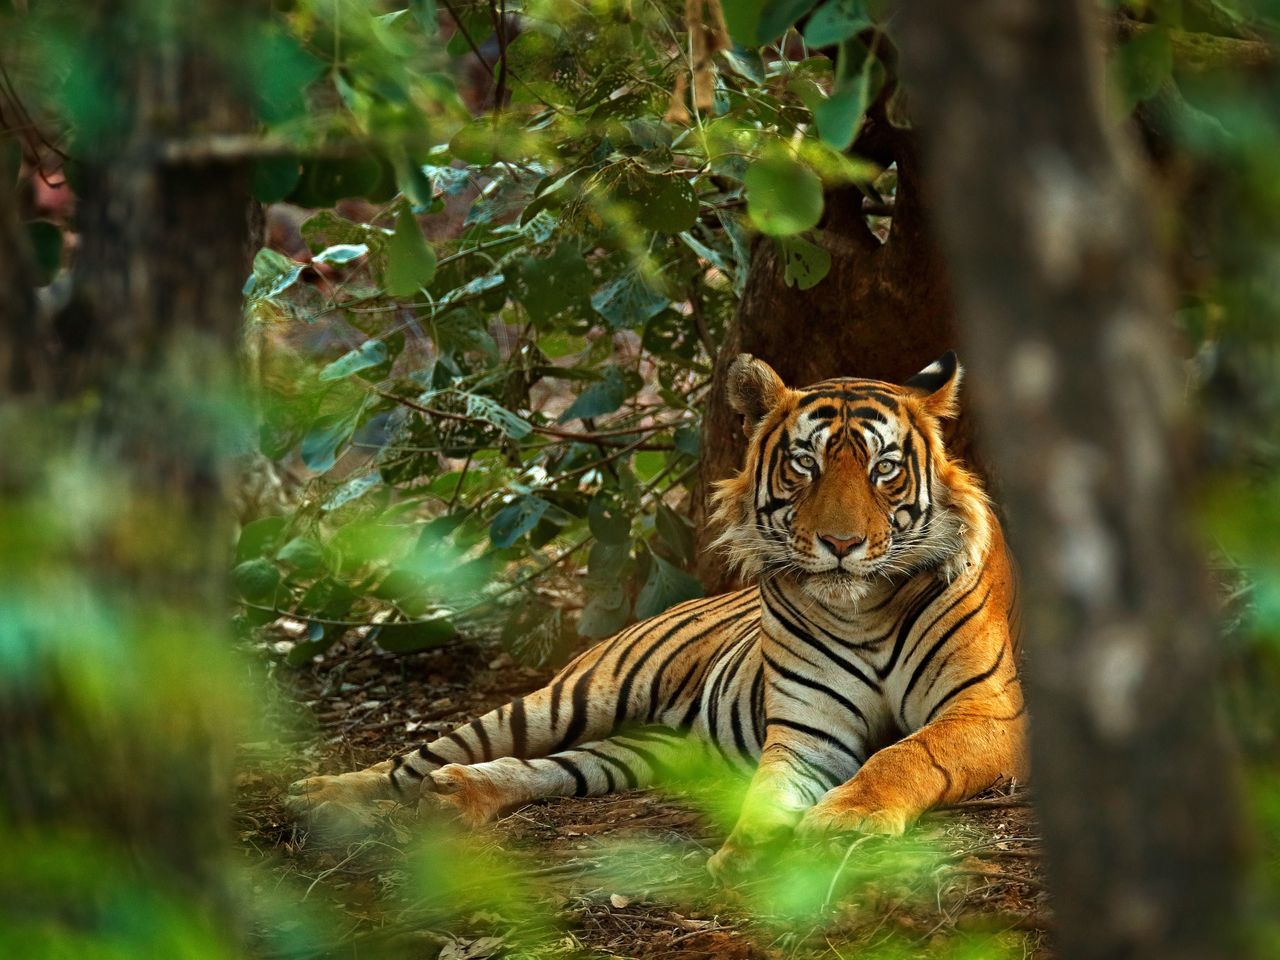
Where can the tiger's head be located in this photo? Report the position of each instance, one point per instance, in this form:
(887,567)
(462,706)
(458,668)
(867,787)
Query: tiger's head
(847,482)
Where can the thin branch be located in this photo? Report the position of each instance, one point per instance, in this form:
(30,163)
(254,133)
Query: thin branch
(578,436)
(466,35)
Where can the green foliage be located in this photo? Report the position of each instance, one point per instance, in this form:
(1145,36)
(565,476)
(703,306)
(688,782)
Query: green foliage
(521,394)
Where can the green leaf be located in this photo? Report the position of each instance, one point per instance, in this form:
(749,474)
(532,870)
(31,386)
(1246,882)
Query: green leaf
(607,562)
(257,537)
(805,264)
(474,23)
(516,519)
(323,181)
(483,408)
(256,580)
(676,532)
(603,397)
(784,196)
(319,450)
(836,20)
(665,586)
(777,15)
(688,440)
(663,203)
(548,286)
(274,178)
(839,115)
(353,489)
(424,11)
(46,243)
(606,612)
(411,263)
(414,635)
(303,554)
(608,519)
(273,273)
(673,206)
(742,17)
(1143,65)
(628,301)
(341,253)
(319,639)
(368,354)
(326,229)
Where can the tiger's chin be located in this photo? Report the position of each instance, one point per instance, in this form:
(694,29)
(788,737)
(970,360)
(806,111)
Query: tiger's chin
(837,588)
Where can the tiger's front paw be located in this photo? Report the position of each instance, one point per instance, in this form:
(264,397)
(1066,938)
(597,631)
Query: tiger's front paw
(832,816)
(466,791)
(344,796)
(734,861)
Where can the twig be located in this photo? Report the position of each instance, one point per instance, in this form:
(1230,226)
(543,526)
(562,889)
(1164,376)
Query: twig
(466,35)
(578,436)
(990,803)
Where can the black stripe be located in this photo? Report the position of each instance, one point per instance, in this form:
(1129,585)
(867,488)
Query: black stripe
(578,713)
(929,655)
(483,736)
(978,678)
(655,765)
(757,705)
(735,724)
(923,603)
(396,764)
(628,774)
(580,788)
(800,633)
(453,736)
(813,684)
(426,753)
(519,729)
(556,689)
(817,734)
(624,691)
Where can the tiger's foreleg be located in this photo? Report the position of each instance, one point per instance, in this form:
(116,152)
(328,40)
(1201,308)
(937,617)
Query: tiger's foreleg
(795,770)
(480,792)
(650,673)
(957,755)
(527,726)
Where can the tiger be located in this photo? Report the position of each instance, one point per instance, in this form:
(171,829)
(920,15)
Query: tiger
(868,674)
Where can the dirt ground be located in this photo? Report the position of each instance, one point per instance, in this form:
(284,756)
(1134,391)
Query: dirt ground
(616,876)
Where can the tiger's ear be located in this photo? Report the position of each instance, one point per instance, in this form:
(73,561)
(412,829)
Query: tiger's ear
(753,389)
(937,385)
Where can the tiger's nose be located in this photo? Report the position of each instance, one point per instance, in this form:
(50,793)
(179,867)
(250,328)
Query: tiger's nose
(841,546)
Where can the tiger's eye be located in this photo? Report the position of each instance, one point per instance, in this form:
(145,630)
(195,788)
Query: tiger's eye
(886,467)
(805,461)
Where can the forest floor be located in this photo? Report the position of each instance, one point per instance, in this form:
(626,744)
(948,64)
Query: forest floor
(615,876)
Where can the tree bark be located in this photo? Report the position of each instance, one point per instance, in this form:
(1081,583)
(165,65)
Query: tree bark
(884,311)
(19,327)
(1065,311)
(136,386)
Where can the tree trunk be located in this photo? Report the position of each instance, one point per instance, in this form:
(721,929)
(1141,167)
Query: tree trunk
(884,311)
(18,305)
(1066,319)
(134,394)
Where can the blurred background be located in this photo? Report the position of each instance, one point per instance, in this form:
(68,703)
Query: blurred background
(362,362)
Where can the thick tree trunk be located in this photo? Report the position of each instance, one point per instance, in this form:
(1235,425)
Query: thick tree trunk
(19,320)
(1066,319)
(883,311)
(135,386)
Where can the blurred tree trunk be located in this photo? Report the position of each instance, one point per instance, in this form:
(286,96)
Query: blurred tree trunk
(138,377)
(1065,309)
(18,305)
(884,310)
